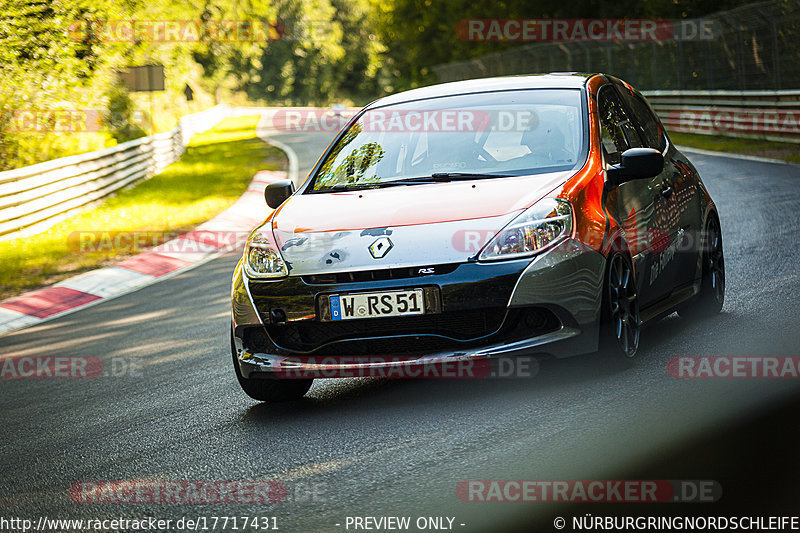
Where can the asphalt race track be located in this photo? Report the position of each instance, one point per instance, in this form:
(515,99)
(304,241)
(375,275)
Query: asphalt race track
(172,410)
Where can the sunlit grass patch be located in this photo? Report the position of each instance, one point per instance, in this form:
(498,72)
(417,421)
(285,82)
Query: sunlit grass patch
(212,173)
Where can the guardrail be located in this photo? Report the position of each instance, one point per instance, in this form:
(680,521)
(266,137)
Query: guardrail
(770,115)
(34,198)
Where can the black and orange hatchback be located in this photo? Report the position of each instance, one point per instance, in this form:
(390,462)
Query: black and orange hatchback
(498,217)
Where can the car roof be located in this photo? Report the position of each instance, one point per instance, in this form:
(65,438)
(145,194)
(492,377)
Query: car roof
(554,80)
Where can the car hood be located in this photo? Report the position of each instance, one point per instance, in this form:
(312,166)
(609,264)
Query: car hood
(417,225)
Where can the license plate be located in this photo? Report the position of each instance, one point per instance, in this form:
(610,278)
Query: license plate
(377,304)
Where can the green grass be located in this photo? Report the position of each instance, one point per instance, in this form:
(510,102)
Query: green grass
(212,173)
(774,150)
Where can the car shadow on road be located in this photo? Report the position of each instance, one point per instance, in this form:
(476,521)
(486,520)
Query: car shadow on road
(364,396)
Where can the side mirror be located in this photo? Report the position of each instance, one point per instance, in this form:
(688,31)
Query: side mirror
(635,164)
(277,192)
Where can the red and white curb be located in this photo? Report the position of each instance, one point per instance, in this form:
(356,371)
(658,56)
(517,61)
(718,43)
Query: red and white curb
(225,232)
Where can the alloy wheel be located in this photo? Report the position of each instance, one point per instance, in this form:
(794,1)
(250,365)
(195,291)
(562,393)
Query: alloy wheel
(715,261)
(624,305)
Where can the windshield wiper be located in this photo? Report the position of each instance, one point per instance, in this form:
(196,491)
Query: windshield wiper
(443,177)
(454,176)
(436,177)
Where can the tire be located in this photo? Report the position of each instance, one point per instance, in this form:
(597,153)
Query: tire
(269,388)
(711,297)
(619,320)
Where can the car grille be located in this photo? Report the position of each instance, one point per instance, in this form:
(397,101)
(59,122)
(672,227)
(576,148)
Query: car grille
(378,275)
(404,332)
(404,336)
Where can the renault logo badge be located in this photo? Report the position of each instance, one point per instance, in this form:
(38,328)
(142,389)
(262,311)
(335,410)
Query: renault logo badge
(380,247)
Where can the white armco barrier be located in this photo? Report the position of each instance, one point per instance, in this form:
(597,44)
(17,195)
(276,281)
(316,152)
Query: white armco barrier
(770,115)
(35,197)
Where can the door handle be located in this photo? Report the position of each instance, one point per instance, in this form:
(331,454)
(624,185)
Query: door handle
(666,191)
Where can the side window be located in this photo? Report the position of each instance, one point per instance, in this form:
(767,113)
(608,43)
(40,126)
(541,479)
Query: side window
(647,123)
(617,132)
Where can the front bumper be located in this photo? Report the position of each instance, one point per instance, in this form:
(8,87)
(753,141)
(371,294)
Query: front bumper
(545,306)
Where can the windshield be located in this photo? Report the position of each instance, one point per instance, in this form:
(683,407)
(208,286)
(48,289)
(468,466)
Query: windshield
(496,134)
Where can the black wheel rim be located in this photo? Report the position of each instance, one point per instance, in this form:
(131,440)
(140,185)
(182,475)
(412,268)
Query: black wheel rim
(624,305)
(715,262)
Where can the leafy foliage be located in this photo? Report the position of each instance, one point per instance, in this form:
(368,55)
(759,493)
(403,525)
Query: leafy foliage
(332,50)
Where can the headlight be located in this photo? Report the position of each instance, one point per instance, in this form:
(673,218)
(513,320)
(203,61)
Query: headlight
(262,259)
(533,230)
